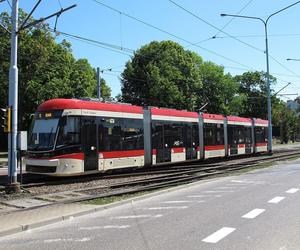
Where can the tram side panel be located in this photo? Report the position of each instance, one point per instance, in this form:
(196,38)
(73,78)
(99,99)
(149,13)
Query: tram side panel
(213,134)
(261,135)
(239,135)
(121,142)
(175,136)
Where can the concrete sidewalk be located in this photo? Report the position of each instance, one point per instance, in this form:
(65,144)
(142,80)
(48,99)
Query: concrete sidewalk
(18,221)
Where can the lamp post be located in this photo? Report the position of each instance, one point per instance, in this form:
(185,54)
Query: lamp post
(265,22)
(291,59)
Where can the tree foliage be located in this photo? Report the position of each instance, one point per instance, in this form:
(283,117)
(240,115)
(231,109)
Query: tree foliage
(162,74)
(47,69)
(165,74)
(253,85)
(219,91)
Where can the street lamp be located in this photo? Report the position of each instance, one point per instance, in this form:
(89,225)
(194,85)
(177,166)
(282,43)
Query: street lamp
(291,59)
(265,22)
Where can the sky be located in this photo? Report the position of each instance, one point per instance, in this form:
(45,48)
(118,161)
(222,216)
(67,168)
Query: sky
(127,25)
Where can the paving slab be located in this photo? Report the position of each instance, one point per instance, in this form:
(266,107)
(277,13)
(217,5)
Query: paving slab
(26,203)
(28,219)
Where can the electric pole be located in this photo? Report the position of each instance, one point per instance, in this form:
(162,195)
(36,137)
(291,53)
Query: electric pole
(98,84)
(13,186)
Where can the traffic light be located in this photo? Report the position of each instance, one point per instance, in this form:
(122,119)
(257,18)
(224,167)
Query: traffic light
(6,119)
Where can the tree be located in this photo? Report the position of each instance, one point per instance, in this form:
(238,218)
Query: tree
(47,69)
(219,91)
(253,85)
(162,74)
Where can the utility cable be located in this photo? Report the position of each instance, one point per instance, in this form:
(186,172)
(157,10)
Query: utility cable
(171,34)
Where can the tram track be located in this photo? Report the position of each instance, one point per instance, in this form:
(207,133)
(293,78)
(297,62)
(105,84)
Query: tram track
(35,181)
(170,179)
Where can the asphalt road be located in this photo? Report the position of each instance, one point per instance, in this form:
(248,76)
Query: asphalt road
(257,210)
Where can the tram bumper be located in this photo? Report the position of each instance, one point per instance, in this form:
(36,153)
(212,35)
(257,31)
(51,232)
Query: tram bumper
(53,167)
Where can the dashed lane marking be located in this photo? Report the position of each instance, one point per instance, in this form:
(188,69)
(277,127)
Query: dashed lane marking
(67,240)
(292,190)
(176,202)
(219,235)
(140,216)
(276,199)
(197,196)
(165,208)
(219,191)
(254,213)
(105,227)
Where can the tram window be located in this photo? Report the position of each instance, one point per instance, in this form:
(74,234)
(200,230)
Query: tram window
(231,137)
(69,131)
(209,134)
(188,135)
(213,134)
(220,134)
(176,135)
(195,135)
(157,135)
(132,136)
(120,134)
(260,134)
(167,134)
(240,134)
(110,132)
(248,137)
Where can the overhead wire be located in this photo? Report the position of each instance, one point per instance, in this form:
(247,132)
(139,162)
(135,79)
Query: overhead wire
(215,27)
(170,34)
(115,48)
(229,35)
(229,22)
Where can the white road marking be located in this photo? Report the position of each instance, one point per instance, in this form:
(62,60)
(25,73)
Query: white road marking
(68,239)
(219,191)
(218,235)
(141,216)
(52,240)
(180,202)
(171,202)
(197,196)
(244,182)
(105,227)
(292,190)
(252,214)
(276,199)
(165,208)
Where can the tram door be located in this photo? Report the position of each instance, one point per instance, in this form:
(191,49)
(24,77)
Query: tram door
(248,140)
(233,139)
(191,133)
(163,150)
(89,143)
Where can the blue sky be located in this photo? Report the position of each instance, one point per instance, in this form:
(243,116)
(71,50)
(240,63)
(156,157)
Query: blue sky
(92,20)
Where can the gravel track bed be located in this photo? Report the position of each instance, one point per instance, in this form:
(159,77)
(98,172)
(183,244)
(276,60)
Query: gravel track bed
(100,184)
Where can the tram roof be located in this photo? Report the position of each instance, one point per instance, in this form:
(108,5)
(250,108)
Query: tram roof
(212,116)
(173,112)
(238,119)
(60,104)
(261,121)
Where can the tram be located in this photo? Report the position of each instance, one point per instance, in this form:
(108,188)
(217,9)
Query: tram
(75,137)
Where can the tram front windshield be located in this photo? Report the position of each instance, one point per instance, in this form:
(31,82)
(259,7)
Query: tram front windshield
(42,136)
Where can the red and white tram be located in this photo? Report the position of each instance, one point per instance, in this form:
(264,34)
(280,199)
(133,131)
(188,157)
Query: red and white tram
(73,137)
